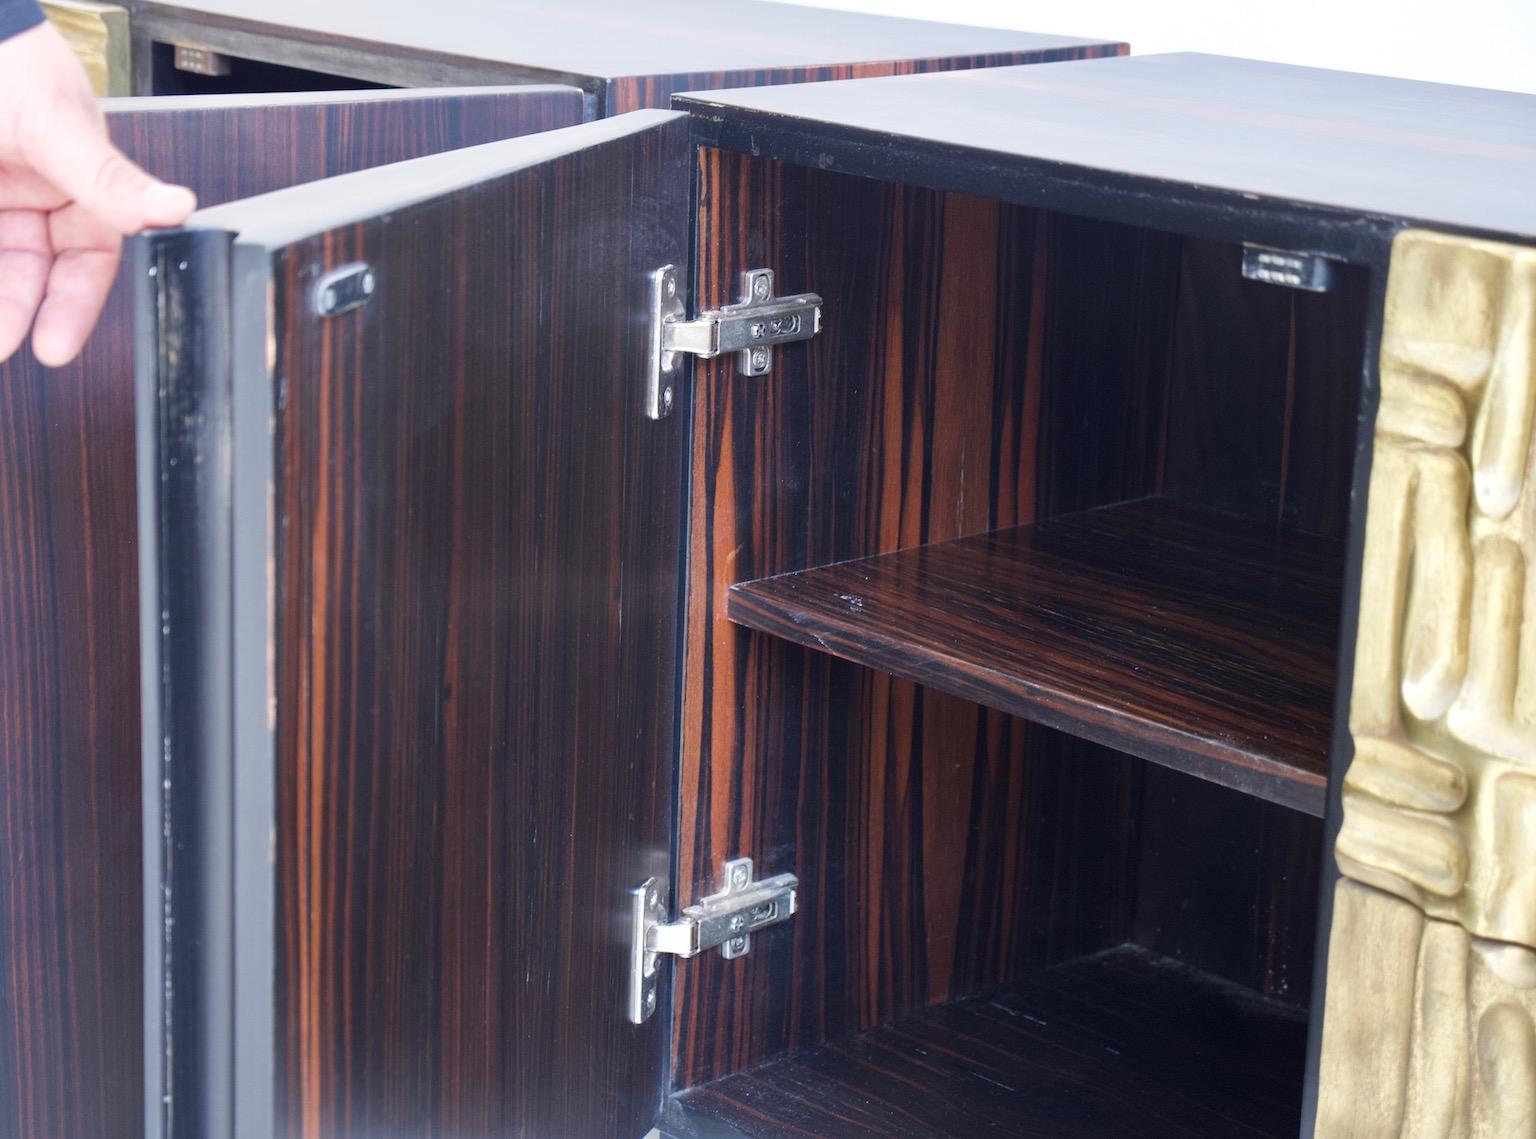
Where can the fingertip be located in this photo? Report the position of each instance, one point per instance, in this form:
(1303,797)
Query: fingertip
(167,205)
(77,289)
(55,345)
(155,205)
(60,332)
(123,196)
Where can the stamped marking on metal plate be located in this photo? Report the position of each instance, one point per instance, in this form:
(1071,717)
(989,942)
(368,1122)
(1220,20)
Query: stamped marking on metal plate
(1305,271)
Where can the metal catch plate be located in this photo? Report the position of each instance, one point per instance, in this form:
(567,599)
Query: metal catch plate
(344,289)
(1305,271)
(200,61)
(725,920)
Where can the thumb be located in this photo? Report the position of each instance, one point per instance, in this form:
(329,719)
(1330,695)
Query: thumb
(91,171)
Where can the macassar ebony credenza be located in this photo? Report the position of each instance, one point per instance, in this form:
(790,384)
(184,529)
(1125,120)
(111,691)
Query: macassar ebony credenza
(73,916)
(939,605)
(943,605)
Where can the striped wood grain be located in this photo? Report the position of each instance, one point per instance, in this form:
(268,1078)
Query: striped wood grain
(476,621)
(964,383)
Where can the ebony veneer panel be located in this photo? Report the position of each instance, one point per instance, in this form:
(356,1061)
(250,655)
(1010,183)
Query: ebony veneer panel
(1191,639)
(71,1030)
(966,381)
(1123,1043)
(476,624)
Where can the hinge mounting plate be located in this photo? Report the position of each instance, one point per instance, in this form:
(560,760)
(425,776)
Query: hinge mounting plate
(724,920)
(751,328)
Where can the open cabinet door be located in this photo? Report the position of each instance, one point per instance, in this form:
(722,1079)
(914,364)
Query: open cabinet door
(71,912)
(412,551)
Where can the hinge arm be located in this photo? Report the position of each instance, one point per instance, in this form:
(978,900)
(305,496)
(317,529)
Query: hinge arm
(725,920)
(752,327)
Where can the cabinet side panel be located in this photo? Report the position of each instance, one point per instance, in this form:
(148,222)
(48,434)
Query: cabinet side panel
(70,922)
(470,597)
(941,849)
(632,93)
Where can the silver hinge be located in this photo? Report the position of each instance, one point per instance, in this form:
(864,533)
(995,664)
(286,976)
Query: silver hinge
(750,328)
(725,921)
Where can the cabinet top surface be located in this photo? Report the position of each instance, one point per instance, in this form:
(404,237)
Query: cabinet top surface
(1395,149)
(615,38)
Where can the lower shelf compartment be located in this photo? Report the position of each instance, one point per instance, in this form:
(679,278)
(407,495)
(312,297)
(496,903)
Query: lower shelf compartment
(1124,1043)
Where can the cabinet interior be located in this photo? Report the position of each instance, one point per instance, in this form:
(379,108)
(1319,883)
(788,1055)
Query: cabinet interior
(1011,621)
(245,77)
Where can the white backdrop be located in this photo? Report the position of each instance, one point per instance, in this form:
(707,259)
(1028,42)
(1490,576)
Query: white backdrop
(1484,43)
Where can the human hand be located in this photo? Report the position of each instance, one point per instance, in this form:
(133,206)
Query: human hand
(67,199)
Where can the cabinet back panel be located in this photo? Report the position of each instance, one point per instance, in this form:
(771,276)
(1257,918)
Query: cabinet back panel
(71,969)
(1228,883)
(967,380)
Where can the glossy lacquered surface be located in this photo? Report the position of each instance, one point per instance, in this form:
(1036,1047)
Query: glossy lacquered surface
(1188,638)
(1299,157)
(1125,1043)
(71,1030)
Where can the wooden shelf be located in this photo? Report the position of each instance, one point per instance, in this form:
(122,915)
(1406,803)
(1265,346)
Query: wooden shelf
(1187,638)
(1119,1044)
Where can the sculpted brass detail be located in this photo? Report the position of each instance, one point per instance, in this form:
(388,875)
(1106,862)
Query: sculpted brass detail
(1429,1031)
(1432,968)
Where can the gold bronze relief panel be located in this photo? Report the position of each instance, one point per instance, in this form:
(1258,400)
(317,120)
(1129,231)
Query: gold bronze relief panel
(1429,1028)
